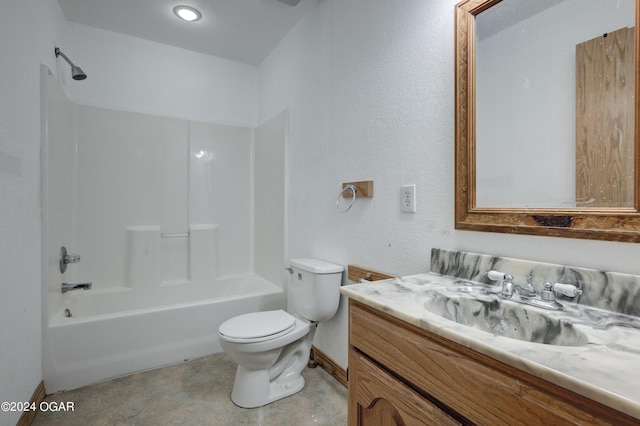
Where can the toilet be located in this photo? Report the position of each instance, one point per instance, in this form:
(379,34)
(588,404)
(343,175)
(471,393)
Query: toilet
(272,348)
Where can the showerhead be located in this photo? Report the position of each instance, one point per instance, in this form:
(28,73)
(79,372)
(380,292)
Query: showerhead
(290,2)
(76,72)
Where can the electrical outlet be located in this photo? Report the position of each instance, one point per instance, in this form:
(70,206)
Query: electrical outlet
(408,198)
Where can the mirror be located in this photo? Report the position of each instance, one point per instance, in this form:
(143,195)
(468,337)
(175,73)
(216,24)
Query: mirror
(546,96)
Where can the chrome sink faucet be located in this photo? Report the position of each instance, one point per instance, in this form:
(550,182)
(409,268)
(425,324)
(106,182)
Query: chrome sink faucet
(509,288)
(527,293)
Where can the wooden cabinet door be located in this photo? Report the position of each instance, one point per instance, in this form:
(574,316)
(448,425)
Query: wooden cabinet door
(376,398)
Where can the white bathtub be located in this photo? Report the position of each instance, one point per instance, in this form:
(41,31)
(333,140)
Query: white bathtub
(118,332)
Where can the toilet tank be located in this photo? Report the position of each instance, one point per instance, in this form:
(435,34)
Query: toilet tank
(314,288)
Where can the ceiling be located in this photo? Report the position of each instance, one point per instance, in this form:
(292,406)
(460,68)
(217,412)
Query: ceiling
(240,30)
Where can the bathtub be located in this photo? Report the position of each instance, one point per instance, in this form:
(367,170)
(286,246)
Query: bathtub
(120,331)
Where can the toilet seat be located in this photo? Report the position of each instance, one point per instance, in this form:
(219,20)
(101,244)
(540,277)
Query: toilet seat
(257,326)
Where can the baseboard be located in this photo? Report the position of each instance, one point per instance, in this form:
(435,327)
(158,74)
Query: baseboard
(329,365)
(38,396)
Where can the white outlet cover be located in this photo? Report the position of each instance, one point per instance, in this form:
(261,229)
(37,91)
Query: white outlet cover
(408,198)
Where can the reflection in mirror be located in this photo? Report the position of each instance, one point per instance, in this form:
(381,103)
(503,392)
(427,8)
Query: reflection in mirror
(554,104)
(546,96)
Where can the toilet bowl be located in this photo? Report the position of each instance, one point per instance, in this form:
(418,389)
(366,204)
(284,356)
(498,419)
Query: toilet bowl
(269,366)
(272,348)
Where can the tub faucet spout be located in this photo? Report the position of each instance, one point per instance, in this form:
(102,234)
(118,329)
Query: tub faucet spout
(81,286)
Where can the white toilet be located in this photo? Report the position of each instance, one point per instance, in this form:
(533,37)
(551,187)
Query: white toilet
(272,348)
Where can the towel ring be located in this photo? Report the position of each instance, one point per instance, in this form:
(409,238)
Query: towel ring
(351,188)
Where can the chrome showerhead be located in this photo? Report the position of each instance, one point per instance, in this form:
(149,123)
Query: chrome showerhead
(76,72)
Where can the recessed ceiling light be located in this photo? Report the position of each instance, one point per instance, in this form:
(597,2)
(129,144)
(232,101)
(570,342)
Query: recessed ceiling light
(187,13)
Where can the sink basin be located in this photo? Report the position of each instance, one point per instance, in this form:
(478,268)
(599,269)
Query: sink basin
(504,318)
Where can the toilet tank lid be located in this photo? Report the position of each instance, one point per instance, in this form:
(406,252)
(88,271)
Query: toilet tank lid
(315,266)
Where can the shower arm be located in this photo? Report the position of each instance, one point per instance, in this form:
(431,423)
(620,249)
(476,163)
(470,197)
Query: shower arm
(76,71)
(59,53)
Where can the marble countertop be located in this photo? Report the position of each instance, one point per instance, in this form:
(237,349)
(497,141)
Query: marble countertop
(606,369)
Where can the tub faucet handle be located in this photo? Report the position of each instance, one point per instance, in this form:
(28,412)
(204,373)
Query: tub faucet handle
(72,258)
(66,258)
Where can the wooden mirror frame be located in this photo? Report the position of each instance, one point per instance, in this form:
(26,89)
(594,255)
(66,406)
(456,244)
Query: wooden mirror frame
(615,224)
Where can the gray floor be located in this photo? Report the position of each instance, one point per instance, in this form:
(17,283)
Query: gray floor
(196,393)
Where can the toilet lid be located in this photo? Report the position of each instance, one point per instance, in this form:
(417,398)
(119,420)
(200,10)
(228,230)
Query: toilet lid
(258,324)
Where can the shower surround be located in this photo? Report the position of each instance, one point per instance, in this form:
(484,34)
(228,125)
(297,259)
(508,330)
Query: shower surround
(161,212)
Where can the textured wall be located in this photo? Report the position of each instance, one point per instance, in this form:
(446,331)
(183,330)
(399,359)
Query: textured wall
(369,86)
(28,43)
(370,89)
(131,74)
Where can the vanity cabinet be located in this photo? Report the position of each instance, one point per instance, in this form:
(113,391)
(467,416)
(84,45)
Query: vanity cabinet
(402,374)
(381,399)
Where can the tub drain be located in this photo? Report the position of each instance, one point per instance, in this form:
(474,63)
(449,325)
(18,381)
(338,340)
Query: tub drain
(67,313)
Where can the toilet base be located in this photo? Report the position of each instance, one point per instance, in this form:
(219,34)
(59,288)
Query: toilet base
(253,389)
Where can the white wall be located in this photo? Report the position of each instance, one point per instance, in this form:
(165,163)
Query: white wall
(30,30)
(139,185)
(117,186)
(370,89)
(58,192)
(132,74)
(220,190)
(269,198)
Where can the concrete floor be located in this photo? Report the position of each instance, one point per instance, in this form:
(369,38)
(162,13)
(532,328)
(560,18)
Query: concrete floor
(196,393)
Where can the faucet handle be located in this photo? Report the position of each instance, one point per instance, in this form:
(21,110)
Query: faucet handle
(66,258)
(495,275)
(547,292)
(568,290)
(501,277)
(72,258)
